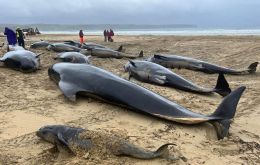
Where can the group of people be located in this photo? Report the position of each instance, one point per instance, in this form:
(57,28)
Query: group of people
(18,37)
(108,34)
(14,37)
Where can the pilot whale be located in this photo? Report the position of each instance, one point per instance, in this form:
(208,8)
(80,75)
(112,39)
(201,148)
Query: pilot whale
(174,61)
(95,82)
(153,73)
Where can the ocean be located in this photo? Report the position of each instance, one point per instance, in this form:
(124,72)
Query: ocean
(180,30)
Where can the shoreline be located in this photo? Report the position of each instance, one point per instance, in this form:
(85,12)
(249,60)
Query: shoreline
(140,35)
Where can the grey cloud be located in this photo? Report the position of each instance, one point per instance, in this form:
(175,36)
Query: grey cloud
(199,12)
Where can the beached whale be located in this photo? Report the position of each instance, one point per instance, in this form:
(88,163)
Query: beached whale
(89,45)
(72,57)
(39,44)
(153,73)
(89,80)
(61,47)
(108,53)
(73,43)
(174,61)
(15,47)
(78,140)
(22,60)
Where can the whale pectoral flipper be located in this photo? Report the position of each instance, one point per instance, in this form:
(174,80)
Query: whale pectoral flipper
(68,90)
(132,63)
(158,79)
(62,140)
(62,145)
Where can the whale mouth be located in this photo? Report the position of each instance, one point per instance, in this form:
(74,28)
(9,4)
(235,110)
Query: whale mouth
(55,76)
(127,67)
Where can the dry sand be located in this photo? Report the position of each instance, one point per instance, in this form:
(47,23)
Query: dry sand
(29,101)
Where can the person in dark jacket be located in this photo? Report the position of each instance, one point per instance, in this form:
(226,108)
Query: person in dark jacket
(81,36)
(11,37)
(105,35)
(20,37)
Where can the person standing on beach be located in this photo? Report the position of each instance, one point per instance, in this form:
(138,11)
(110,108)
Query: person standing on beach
(105,35)
(11,37)
(20,37)
(110,35)
(81,36)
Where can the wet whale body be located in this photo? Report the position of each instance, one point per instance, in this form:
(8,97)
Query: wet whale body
(40,44)
(89,45)
(153,73)
(108,53)
(68,138)
(95,51)
(22,60)
(89,80)
(72,57)
(61,47)
(174,61)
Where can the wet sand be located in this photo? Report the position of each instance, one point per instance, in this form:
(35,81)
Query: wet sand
(30,101)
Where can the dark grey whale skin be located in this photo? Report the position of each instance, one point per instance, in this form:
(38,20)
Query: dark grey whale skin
(108,53)
(72,57)
(65,136)
(175,61)
(61,47)
(98,83)
(21,60)
(86,45)
(39,44)
(156,74)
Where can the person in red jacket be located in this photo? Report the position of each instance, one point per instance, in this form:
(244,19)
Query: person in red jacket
(81,36)
(110,36)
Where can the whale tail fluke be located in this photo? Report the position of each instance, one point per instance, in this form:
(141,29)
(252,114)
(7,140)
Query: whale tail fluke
(136,152)
(252,67)
(222,86)
(163,150)
(226,111)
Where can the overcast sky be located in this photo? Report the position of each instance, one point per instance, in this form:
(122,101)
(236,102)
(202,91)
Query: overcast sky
(197,12)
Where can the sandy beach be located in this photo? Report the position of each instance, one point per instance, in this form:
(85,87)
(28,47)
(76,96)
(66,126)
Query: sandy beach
(30,101)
